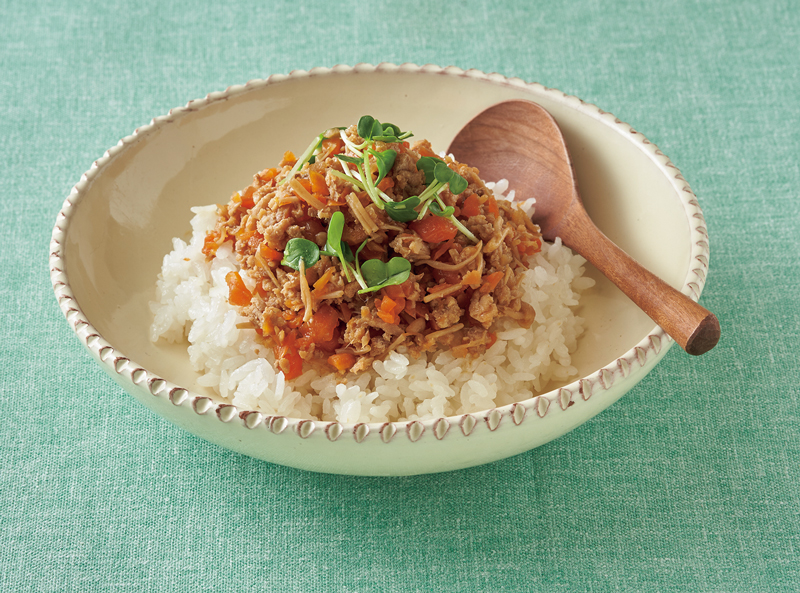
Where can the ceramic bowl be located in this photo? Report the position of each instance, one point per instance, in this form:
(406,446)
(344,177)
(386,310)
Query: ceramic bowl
(117,224)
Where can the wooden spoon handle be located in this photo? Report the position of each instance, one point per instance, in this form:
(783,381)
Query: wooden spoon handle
(692,326)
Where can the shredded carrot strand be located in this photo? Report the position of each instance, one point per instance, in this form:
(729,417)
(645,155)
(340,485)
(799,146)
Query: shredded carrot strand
(442,249)
(304,193)
(323,280)
(490,282)
(318,185)
(439,287)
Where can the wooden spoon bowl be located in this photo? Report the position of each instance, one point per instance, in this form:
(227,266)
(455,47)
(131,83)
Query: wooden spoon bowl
(520,141)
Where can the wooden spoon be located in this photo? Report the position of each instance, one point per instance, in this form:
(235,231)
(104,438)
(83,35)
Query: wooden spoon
(520,141)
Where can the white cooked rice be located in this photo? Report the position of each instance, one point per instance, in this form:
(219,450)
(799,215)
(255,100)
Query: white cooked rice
(192,303)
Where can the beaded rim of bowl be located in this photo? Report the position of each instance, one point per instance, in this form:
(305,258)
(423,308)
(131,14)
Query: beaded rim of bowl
(592,385)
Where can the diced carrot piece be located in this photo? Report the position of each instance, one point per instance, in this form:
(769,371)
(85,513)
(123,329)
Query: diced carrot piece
(342,362)
(386,304)
(425,151)
(293,320)
(384,316)
(322,325)
(397,291)
(331,146)
(289,361)
(269,253)
(490,282)
(288,158)
(255,241)
(434,229)
(386,183)
(388,309)
(491,206)
(266,326)
(472,206)
(210,244)
(318,185)
(471,278)
(247,197)
(531,247)
(328,346)
(268,174)
(237,292)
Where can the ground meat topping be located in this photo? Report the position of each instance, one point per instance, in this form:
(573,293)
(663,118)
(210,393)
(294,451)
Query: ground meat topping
(365,244)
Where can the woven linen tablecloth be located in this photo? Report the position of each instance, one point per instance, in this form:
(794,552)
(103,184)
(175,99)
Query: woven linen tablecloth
(689,483)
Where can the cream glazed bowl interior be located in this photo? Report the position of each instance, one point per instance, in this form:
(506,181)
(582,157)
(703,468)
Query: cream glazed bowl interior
(118,222)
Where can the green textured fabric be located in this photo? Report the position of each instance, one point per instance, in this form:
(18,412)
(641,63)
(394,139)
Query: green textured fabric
(689,483)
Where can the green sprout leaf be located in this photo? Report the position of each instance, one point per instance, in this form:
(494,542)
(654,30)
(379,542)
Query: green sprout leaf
(357,266)
(438,211)
(368,127)
(335,244)
(348,159)
(374,273)
(390,133)
(403,211)
(298,249)
(445,174)
(335,230)
(437,176)
(437,173)
(364,126)
(457,183)
(385,162)
(378,274)
(427,164)
(347,253)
